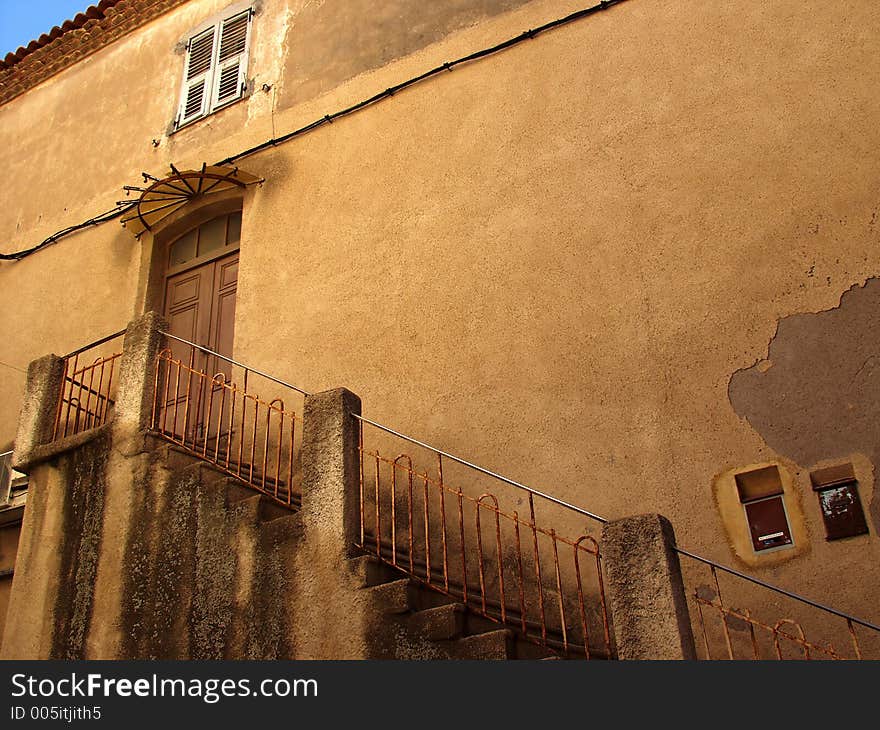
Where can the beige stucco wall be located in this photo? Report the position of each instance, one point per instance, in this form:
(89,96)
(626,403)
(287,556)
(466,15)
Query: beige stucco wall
(551,261)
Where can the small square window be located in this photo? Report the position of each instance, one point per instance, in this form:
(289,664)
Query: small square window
(839,500)
(761,494)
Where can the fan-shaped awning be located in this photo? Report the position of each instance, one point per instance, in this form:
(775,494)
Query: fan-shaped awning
(164,197)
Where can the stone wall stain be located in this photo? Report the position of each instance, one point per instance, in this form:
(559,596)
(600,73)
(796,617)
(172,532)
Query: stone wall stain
(82,512)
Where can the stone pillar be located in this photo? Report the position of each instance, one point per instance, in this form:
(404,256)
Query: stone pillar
(330,459)
(647,597)
(37,419)
(137,376)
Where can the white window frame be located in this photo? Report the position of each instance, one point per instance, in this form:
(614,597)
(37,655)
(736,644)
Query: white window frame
(211,77)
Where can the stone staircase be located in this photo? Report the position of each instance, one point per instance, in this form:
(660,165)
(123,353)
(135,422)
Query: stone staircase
(243,545)
(134,548)
(419,615)
(241,474)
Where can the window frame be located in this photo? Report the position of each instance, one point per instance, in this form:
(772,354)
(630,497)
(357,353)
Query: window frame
(763,485)
(840,476)
(211,77)
(198,260)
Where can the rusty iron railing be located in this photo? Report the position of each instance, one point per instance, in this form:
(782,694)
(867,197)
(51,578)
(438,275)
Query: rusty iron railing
(475,545)
(88,387)
(206,404)
(470,542)
(722,631)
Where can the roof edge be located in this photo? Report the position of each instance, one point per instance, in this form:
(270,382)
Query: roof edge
(93,29)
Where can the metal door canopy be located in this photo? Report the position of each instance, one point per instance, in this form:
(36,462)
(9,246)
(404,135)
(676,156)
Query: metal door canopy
(166,196)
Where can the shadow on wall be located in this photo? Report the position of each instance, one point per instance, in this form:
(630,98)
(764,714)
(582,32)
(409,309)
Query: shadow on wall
(817,395)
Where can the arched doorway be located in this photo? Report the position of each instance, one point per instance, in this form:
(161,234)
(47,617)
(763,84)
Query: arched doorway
(200,282)
(201,277)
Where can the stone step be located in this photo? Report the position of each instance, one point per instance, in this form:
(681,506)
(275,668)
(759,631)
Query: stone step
(258,509)
(372,572)
(233,490)
(284,528)
(497,645)
(175,457)
(454,621)
(246,510)
(395,597)
(182,464)
(432,595)
(438,616)
(441,622)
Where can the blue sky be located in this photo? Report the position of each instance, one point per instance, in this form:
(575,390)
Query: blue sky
(22,21)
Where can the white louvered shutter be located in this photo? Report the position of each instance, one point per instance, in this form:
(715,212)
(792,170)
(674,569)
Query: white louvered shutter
(231,67)
(197,82)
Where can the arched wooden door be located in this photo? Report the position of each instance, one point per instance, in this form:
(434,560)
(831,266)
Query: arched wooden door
(201,280)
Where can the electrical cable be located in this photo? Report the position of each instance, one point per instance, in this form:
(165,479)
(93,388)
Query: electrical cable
(12,367)
(329,118)
(448,66)
(96,220)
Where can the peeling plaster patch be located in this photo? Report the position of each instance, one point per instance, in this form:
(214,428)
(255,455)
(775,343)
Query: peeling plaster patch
(821,398)
(269,51)
(328,45)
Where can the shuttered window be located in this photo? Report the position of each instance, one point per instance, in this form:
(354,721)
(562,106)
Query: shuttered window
(215,68)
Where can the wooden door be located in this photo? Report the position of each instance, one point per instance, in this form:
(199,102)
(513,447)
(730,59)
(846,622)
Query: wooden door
(200,308)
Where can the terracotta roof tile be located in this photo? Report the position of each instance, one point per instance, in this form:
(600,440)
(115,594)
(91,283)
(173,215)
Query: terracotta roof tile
(88,32)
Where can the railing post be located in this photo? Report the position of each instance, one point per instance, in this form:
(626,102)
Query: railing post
(45,377)
(330,460)
(137,374)
(643,577)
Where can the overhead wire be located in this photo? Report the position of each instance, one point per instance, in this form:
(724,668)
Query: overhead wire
(329,118)
(447,66)
(94,221)
(13,367)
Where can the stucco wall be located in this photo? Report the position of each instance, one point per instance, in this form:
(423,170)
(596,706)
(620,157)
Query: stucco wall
(552,261)
(557,274)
